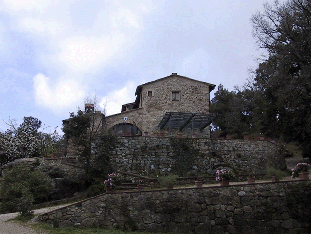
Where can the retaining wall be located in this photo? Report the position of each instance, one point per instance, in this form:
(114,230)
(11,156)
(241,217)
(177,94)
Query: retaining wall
(157,155)
(283,207)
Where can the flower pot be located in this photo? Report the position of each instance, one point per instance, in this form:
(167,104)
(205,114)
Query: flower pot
(198,184)
(141,187)
(251,180)
(109,188)
(224,182)
(304,175)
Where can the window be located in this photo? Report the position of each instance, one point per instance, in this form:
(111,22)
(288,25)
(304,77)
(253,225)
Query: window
(149,93)
(175,96)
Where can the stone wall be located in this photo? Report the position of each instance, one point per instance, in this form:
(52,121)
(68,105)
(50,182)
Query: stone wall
(194,98)
(283,207)
(157,155)
(135,117)
(69,169)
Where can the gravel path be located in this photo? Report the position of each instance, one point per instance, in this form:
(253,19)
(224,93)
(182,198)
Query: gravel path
(11,227)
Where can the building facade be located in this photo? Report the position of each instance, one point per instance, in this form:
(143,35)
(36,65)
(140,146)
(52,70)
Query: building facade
(170,105)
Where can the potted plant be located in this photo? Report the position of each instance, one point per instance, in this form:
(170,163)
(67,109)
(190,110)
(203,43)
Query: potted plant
(224,176)
(275,174)
(113,180)
(301,170)
(168,181)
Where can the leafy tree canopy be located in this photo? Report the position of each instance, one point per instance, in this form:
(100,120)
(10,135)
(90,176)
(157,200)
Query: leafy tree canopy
(277,103)
(284,78)
(25,141)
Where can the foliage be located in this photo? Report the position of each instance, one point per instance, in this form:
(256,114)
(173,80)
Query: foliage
(101,150)
(299,168)
(185,155)
(278,174)
(236,111)
(224,174)
(283,30)
(167,180)
(80,230)
(97,187)
(26,141)
(113,179)
(276,101)
(21,187)
(51,143)
(24,218)
(84,131)
(22,141)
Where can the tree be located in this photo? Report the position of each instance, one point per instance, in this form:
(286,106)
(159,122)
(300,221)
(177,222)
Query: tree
(21,187)
(85,131)
(51,143)
(27,141)
(284,78)
(22,141)
(235,111)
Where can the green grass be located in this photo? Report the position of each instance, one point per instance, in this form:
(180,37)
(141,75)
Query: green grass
(76,230)
(22,218)
(294,149)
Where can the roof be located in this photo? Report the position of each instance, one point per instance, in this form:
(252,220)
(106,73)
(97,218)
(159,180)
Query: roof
(139,88)
(181,120)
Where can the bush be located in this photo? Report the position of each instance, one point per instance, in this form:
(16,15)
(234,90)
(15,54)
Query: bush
(167,180)
(95,189)
(274,172)
(21,187)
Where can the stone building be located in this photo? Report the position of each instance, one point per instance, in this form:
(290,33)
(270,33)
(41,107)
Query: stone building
(170,105)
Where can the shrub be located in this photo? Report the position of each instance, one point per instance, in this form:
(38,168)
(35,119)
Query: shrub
(21,187)
(278,174)
(167,180)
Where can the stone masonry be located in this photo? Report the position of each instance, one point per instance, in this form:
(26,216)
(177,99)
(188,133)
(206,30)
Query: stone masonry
(283,207)
(156,155)
(154,99)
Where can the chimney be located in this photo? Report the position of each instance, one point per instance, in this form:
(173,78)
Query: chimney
(89,108)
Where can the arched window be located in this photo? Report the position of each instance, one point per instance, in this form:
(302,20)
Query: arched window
(126,129)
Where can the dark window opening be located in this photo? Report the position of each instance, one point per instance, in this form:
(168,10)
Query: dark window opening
(149,93)
(125,129)
(175,96)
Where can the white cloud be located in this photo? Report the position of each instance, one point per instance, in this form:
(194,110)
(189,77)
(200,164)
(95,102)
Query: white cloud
(113,102)
(84,54)
(17,7)
(39,26)
(125,17)
(58,97)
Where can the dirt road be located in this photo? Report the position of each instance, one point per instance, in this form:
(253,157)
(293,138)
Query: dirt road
(11,227)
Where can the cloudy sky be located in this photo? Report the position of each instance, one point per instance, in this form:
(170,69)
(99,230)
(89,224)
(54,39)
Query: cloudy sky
(55,53)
